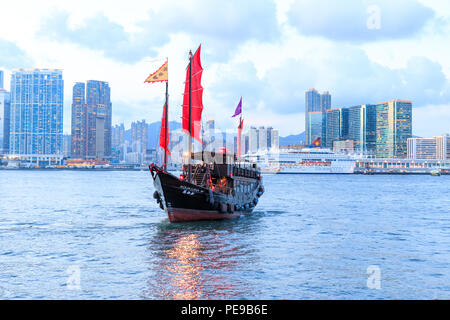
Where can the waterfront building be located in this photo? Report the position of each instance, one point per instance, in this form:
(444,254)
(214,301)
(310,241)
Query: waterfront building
(274,139)
(312,105)
(5,106)
(325,105)
(261,139)
(139,137)
(393,128)
(362,127)
(314,126)
(400,166)
(36,117)
(91,120)
(79,128)
(337,125)
(245,144)
(316,105)
(66,145)
(443,147)
(253,140)
(118,135)
(428,148)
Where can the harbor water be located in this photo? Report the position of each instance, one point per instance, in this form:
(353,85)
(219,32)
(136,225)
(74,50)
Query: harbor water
(100,235)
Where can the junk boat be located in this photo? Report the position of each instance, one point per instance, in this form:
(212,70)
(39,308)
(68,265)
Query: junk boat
(212,185)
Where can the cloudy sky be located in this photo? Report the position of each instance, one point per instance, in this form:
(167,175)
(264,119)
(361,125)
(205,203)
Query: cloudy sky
(269,52)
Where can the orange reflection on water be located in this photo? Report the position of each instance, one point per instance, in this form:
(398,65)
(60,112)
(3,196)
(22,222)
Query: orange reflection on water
(186,268)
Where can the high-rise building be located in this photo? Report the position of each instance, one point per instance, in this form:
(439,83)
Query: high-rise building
(274,139)
(362,123)
(312,101)
(98,100)
(260,139)
(263,139)
(436,148)
(5,107)
(313,126)
(78,137)
(316,105)
(91,120)
(245,144)
(337,125)
(118,135)
(325,105)
(139,135)
(325,101)
(1,79)
(253,140)
(312,104)
(394,127)
(36,119)
(443,147)
(66,145)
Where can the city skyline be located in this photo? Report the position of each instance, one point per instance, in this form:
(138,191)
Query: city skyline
(401,55)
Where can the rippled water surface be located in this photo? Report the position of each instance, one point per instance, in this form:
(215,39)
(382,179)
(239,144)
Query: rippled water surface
(311,236)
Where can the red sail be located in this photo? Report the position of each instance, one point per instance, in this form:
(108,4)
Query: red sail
(163,139)
(196,97)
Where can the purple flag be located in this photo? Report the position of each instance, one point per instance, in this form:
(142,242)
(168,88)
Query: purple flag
(238,110)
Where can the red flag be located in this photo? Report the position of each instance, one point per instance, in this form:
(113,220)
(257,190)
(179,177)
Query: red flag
(163,139)
(196,97)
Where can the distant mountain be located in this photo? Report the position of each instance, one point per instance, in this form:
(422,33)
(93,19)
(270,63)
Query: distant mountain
(293,139)
(153,132)
(154,129)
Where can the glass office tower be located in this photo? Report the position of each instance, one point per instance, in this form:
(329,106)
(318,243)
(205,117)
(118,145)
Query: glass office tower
(316,103)
(394,127)
(312,107)
(314,126)
(5,106)
(362,127)
(337,125)
(36,119)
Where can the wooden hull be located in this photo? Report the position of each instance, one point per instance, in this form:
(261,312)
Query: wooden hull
(184,201)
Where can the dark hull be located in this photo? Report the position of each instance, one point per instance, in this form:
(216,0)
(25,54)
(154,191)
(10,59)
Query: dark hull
(184,201)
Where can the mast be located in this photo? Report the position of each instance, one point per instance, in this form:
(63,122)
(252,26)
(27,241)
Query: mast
(162,75)
(239,138)
(166,107)
(190,115)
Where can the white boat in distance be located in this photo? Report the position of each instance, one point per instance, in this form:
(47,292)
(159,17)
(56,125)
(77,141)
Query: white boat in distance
(307,160)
